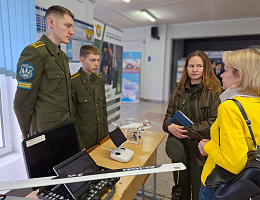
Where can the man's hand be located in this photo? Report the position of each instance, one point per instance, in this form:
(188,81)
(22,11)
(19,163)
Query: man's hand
(177,131)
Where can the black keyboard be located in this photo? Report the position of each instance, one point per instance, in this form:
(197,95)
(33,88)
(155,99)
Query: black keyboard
(58,192)
(95,190)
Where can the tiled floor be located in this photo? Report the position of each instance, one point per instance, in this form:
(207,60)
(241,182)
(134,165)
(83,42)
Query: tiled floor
(154,112)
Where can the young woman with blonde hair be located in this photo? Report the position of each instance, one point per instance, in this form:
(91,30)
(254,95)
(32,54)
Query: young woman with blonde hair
(230,136)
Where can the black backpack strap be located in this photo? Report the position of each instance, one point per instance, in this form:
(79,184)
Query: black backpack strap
(248,122)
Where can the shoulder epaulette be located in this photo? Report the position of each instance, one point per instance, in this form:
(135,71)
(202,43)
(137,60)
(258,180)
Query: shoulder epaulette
(74,75)
(98,76)
(37,44)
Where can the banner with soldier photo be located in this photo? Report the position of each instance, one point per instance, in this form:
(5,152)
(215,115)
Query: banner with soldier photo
(109,42)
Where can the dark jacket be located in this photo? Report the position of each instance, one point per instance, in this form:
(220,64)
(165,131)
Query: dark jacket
(90,108)
(42,99)
(218,75)
(203,112)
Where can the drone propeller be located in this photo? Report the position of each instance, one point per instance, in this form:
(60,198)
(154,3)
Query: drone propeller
(130,119)
(147,122)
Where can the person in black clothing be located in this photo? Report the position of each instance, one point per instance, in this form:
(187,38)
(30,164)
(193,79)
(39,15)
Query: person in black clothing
(218,70)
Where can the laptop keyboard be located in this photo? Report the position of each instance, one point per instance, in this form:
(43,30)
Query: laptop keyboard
(60,192)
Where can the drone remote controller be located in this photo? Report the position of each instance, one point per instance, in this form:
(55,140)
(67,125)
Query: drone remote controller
(122,154)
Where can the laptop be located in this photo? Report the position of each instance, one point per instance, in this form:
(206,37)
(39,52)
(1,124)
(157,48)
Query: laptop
(46,149)
(83,163)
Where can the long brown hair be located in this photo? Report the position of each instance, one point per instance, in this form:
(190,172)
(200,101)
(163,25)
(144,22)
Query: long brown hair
(209,79)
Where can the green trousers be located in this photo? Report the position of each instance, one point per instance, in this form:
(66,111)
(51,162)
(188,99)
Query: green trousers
(189,179)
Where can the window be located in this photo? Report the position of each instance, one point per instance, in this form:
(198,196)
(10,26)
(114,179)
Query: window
(17,30)
(5,139)
(2,140)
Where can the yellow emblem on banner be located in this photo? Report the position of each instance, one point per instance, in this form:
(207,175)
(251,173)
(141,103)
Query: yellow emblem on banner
(89,34)
(98,29)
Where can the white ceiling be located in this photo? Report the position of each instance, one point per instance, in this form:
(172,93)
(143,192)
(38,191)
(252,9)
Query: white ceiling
(119,14)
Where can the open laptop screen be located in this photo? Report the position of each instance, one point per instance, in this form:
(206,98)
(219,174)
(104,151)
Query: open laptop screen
(79,163)
(49,148)
(117,137)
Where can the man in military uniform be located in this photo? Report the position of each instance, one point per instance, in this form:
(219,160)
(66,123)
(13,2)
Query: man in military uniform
(43,96)
(88,94)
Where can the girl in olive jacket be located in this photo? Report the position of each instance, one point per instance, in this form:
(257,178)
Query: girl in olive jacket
(197,96)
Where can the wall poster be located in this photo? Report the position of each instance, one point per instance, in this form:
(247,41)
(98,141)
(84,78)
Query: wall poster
(216,56)
(109,42)
(131,77)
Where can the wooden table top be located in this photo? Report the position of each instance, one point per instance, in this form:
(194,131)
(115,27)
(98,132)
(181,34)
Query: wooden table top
(144,155)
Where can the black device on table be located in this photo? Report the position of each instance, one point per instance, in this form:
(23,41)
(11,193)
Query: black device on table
(83,163)
(45,150)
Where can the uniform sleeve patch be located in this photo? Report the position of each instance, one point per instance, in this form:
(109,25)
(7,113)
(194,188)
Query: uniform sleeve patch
(24,85)
(26,71)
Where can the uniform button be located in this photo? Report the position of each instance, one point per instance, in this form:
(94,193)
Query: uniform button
(70,101)
(98,118)
(97,111)
(98,125)
(96,104)
(84,81)
(69,92)
(58,76)
(86,100)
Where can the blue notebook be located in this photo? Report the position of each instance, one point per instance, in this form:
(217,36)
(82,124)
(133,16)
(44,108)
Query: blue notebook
(180,119)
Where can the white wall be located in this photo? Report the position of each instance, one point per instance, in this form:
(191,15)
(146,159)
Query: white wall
(152,72)
(162,49)
(82,9)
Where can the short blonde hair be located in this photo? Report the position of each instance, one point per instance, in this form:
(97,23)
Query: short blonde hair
(248,62)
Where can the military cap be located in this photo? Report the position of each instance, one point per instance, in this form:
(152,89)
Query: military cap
(175,150)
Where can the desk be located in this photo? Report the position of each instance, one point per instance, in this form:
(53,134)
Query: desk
(145,155)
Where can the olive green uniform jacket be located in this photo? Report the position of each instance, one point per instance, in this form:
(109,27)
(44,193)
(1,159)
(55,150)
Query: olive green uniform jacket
(43,96)
(90,108)
(203,113)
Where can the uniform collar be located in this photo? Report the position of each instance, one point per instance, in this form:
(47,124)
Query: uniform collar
(198,88)
(51,46)
(85,74)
